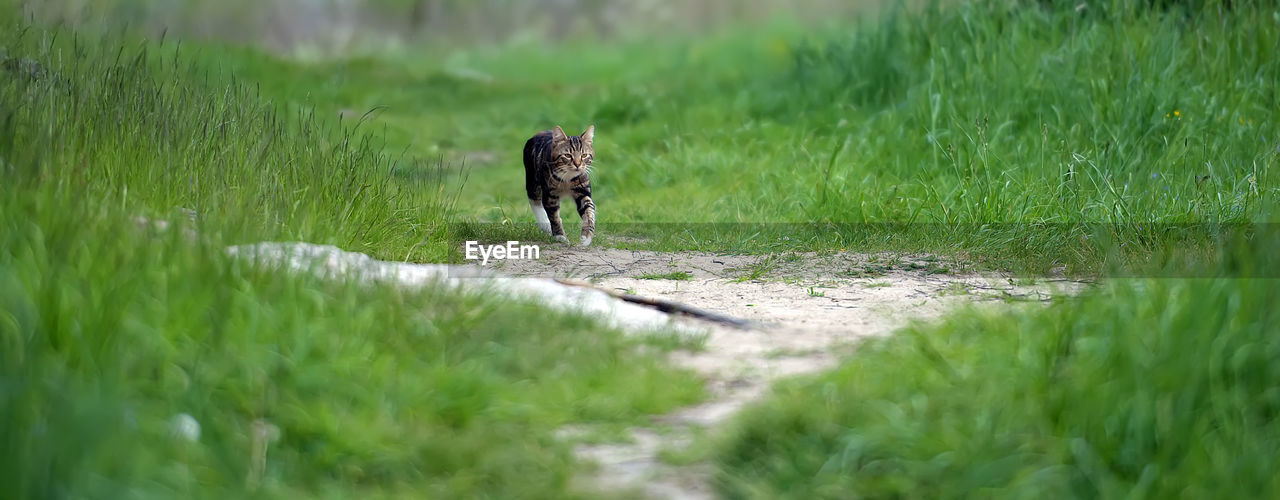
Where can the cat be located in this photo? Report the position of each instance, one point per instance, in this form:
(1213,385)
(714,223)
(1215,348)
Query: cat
(558,165)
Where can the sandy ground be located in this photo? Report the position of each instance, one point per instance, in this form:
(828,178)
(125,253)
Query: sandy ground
(810,308)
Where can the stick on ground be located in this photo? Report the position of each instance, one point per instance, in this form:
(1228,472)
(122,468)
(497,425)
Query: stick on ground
(666,306)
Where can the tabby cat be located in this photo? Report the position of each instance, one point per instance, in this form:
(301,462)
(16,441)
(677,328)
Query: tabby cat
(558,165)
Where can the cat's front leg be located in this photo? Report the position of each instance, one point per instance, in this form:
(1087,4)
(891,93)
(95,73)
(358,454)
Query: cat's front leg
(586,210)
(552,205)
(540,215)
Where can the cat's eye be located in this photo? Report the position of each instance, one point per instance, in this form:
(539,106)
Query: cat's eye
(564,157)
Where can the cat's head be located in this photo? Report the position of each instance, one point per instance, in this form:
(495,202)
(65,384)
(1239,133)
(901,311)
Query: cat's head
(571,154)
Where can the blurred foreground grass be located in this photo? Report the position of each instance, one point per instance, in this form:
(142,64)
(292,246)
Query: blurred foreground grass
(1144,388)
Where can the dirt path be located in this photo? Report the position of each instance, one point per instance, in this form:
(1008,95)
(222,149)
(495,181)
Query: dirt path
(811,308)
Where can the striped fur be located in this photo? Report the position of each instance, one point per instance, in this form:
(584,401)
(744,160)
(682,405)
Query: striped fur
(558,165)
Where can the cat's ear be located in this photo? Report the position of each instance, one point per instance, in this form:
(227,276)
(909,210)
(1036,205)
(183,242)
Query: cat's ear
(591,132)
(558,135)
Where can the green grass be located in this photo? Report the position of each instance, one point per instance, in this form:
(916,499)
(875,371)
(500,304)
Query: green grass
(1022,137)
(1145,388)
(111,327)
(756,271)
(674,276)
(1116,139)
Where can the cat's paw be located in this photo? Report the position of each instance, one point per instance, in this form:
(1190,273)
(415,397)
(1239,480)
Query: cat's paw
(545,227)
(562,238)
(586,241)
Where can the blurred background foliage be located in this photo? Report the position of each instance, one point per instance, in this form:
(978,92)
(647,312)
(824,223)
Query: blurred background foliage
(336,27)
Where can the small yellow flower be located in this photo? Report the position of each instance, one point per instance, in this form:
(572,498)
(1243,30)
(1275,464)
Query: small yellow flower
(1177,113)
(1240,119)
(1166,115)
(779,47)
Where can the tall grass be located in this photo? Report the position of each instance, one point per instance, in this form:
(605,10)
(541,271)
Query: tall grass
(123,320)
(1146,388)
(1139,121)
(988,129)
(1010,112)
(1056,123)
(136,124)
(1029,128)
